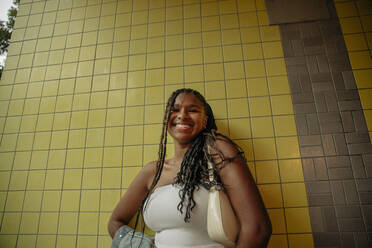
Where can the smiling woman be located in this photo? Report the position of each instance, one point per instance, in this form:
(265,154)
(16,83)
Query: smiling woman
(172,195)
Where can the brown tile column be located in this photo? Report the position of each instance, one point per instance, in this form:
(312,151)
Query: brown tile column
(335,147)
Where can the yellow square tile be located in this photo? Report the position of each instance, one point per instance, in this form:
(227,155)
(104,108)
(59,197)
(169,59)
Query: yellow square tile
(134,115)
(12,124)
(87,53)
(31,32)
(74,158)
(248,19)
(82,241)
(194,73)
(151,133)
(70,200)
(193,56)
(254,68)
(18,180)
(279,85)
(89,200)
(262,127)
(275,67)
(214,72)
(105,36)
(231,37)
(174,27)
(93,158)
(66,86)
(115,117)
(271,195)
(48,223)
(267,172)
(85,68)
(23,75)
(128,175)
(59,140)
(107,22)
(362,78)
(102,66)
(112,156)
(95,137)
(47,105)
(6,160)
(360,60)
(21,160)
(351,25)
(277,220)
(193,24)
(68,224)
(50,88)
(8,142)
(77,138)
(56,159)
(154,95)
(263,18)
(98,100)
(355,42)
(24,142)
(294,195)
(111,178)
(114,136)
(51,201)
(365,98)
(132,156)
(215,90)
(232,53)
(138,32)
(257,87)
(291,170)
(250,35)
(270,33)
(97,118)
(34,90)
(25,60)
(88,38)
(88,224)
(119,64)
(301,240)
(116,98)
(16,107)
(260,106)
(174,42)
(298,220)
(44,122)
(91,179)
(32,201)
(368,117)
(14,201)
(122,34)
(39,160)
(285,125)
(272,49)
(240,128)
(366,23)
(237,108)
(118,81)
(24,240)
(229,21)
(234,70)
(156,29)
(4,182)
(100,83)
(236,88)
(174,58)
(79,119)
(133,135)
(156,44)
(137,62)
(212,54)
(53,180)
(282,105)
(264,149)
(193,40)
(174,75)
(72,179)
(10,224)
(219,108)
(153,114)
(287,147)
(136,79)
(42,140)
(154,60)
(212,38)
(278,241)
(138,46)
(61,121)
(81,102)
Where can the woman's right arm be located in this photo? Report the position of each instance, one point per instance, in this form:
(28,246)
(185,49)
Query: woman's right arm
(132,199)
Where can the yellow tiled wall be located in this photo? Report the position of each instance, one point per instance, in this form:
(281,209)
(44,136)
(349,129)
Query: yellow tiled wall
(356,23)
(82,98)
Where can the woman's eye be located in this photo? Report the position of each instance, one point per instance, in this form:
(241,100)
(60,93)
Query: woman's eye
(174,110)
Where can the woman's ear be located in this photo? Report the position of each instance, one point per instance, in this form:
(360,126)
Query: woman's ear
(205,121)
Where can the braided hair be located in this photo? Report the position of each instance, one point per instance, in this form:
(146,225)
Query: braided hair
(194,169)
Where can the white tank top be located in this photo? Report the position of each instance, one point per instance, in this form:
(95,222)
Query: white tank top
(162,216)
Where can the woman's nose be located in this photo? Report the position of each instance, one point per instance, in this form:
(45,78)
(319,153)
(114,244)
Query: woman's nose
(182,115)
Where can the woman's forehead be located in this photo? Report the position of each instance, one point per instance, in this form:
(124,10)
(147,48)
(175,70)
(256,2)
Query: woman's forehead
(188,99)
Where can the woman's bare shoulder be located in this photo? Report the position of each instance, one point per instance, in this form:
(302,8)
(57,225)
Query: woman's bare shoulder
(148,172)
(226,146)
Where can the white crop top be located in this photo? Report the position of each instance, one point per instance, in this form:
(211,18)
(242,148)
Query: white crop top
(162,216)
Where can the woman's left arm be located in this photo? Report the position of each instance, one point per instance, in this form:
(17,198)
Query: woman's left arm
(255,224)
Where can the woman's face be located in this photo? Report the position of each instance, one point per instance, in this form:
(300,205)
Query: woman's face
(187,118)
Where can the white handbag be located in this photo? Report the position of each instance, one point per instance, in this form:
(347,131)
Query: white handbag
(222,224)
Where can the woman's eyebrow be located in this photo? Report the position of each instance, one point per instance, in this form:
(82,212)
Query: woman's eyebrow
(189,106)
